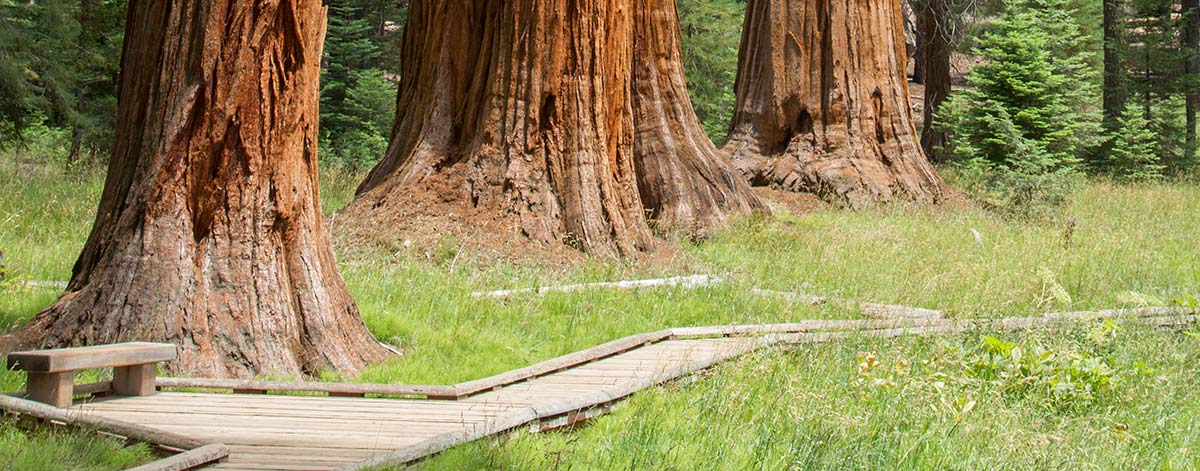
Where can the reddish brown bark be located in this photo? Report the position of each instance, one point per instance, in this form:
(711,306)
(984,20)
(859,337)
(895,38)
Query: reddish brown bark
(683,179)
(521,115)
(209,233)
(823,104)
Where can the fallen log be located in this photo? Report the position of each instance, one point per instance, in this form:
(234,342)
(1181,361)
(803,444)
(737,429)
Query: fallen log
(190,459)
(973,325)
(687,282)
(67,417)
(872,310)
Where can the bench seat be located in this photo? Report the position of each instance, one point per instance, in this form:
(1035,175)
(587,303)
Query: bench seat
(52,372)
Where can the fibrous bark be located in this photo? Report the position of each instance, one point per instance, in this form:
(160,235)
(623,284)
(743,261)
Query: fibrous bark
(823,104)
(935,28)
(209,233)
(683,180)
(1115,91)
(536,116)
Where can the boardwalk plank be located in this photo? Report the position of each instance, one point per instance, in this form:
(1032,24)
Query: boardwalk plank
(310,433)
(299,423)
(368,414)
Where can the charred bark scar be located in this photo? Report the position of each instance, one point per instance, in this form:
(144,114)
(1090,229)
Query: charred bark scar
(804,122)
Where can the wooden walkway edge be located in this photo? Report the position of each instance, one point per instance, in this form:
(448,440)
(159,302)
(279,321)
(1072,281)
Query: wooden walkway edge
(360,426)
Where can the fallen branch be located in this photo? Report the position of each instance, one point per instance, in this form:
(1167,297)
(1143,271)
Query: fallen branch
(687,282)
(868,309)
(872,310)
(958,327)
(190,459)
(129,430)
(954,325)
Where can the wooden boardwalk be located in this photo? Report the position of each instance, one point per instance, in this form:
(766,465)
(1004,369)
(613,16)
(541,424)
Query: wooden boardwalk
(330,426)
(310,433)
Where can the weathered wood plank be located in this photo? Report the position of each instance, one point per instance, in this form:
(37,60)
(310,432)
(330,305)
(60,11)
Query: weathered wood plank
(326,388)
(578,381)
(180,398)
(274,403)
(560,363)
(187,460)
(82,358)
(56,389)
(272,466)
(349,425)
(134,380)
(219,413)
(133,431)
(281,459)
(299,449)
(374,443)
(88,389)
(436,444)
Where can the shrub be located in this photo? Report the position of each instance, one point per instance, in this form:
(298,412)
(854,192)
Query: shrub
(1019,130)
(1061,380)
(1134,151)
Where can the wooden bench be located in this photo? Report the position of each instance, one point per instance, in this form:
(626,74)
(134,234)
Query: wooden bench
(52,372)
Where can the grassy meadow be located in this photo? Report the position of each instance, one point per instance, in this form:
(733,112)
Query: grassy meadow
(899,404)
(955,402)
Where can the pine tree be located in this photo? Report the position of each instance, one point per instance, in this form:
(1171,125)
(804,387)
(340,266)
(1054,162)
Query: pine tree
(37,77)
(98,47)
(711,31)
(1021,127)
(1135,149)
(59,61)
(357,100)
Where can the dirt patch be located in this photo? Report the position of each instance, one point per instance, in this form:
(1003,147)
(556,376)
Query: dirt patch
(439,223)
(436,223)
(955,198)
(789,202)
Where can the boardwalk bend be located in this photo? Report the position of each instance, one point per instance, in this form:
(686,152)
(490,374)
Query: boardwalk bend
(230,424)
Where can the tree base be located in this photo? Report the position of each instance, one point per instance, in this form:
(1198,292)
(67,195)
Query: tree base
(841,181)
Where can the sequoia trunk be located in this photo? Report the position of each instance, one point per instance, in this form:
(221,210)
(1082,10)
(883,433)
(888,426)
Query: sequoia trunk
(823,104)
(935,30)
(209,233)
(684,182)
(518,117)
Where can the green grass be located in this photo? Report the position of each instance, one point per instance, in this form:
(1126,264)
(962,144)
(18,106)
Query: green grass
(56,449)
(45,213)
(923,407)
(1131,245)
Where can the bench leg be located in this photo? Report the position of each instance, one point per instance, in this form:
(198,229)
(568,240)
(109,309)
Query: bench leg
(55,389)
(136,380)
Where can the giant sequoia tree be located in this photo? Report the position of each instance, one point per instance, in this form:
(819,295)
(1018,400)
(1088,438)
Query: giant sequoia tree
(823,104)
(558,121)
(209,233)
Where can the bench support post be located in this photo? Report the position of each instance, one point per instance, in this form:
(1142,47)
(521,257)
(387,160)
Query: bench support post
(56,389)
(134,380)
